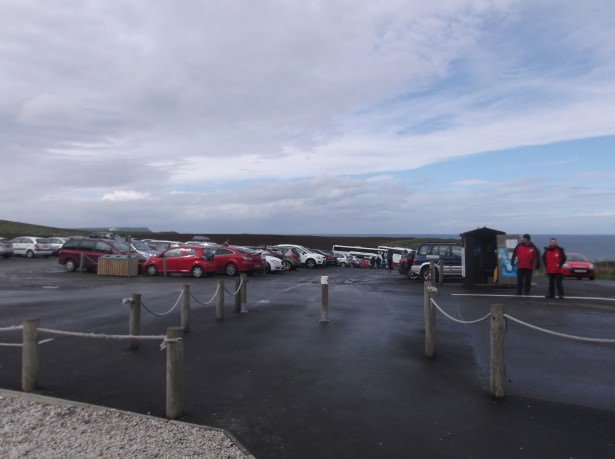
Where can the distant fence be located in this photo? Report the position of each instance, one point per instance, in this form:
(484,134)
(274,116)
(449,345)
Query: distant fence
(498,329)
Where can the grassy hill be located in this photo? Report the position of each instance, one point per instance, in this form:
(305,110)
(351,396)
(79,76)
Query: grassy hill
(10,229)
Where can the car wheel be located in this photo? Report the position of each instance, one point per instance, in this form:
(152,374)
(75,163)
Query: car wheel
(267,267)
(287,265)
(343,264)
(579,278)
(6,256)
(231,269)
(197,271)
(591,278)
(309,263)
(70,265)
(412,276)
(29,254)
(151,270)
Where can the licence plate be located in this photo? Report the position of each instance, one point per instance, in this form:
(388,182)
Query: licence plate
(579,271)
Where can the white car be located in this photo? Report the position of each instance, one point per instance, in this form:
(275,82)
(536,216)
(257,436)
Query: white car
(308,258)
(56,243)
(30,246)
(273,264)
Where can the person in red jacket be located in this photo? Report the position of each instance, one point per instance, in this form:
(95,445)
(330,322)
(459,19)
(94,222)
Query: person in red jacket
(527,257)
(554,257)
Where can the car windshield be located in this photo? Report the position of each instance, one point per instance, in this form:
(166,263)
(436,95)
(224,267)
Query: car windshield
(140,245)
(577,257)
(121,246)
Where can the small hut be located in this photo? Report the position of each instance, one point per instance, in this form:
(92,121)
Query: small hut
(480,256)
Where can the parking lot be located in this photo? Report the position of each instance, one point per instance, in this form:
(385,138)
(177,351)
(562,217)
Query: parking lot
(288,386)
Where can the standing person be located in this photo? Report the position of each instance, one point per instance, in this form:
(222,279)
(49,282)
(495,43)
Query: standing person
(554,257)
(527,257)
(390,259)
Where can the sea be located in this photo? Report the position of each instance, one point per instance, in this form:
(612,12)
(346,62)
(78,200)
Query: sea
(596,247)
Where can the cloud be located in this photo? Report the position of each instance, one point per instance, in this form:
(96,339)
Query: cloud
(253,111)
(125,195)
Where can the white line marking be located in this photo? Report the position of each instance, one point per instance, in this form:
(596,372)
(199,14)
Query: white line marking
(487,295)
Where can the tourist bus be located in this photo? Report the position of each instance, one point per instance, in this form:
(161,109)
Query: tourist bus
(356,251)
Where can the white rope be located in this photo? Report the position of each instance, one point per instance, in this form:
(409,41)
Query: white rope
(10,344)
(561,335)
(459,321)
(210,300)
(181,294)
(98,335)
(11,328)
(236,292)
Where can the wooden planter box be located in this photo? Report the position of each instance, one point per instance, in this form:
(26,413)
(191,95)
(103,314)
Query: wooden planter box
(118,265)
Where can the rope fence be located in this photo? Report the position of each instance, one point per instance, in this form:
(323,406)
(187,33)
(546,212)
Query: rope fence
(172,342)
(498,330)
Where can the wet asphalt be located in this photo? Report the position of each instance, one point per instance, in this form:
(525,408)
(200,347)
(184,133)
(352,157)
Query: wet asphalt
(287,386)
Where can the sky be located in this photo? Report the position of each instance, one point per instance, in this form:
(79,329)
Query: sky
(309,117)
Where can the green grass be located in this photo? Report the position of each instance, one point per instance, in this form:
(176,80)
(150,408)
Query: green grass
(605,270)
(12,230)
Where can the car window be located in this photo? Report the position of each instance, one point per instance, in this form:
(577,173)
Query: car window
(71,244)
(222,251)
(87,245)
(457,250)
(189,252)
(173,253)
(441,250)
(103,248)
(424,250)
(42,240)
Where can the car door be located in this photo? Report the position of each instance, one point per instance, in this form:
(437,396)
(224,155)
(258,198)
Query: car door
(222,257)
(19,246)
(173,260)
(455,262)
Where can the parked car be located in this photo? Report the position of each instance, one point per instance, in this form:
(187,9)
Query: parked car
(142,248)
(105,235)
(450,254)
(56,243)
(291,258)
(30,246)
(579,266)
(6,248)
(196,260)
(273,264)
(329,257)
(235,259)
(308,258)
(159,245)
(405,263)
(343,260)
(89,250)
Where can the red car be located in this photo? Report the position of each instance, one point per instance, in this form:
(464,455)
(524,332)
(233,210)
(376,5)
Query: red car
(186,259)
(233,259)
(579,266)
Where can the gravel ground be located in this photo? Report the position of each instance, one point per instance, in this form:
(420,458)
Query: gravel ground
(36,427)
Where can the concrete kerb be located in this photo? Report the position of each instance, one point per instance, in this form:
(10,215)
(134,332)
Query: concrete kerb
(44,399)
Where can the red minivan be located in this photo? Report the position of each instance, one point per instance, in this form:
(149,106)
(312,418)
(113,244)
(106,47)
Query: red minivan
(89,250)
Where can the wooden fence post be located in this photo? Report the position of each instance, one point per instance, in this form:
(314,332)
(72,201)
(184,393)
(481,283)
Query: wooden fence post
(324,299)
(29,355)
(430,320)
(82,262)
(238,295)
(184,313)
(220,301)
(134,321)
(174,373)
(497,380)
(244,292)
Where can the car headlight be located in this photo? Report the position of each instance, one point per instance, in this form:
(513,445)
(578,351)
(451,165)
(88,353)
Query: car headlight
(591,266)
(566,266)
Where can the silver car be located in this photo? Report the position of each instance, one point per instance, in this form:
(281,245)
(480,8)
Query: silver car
(31,246)
(6,247)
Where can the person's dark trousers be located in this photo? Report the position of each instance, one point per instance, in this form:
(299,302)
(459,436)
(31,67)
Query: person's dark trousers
(524,281)
(555,283)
